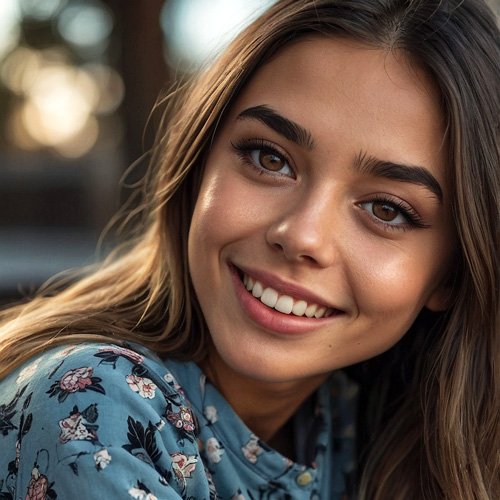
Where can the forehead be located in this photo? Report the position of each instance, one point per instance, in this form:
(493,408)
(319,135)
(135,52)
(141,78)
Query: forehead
(348,93)
(331,65)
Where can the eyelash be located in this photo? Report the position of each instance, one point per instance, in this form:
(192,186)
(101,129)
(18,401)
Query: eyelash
(244,149)
(414,220)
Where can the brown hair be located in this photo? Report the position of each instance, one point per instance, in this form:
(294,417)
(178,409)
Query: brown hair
(442,438)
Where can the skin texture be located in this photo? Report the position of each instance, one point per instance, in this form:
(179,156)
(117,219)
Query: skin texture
(312,223)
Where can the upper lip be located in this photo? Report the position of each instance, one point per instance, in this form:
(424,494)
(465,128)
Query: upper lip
(284,287)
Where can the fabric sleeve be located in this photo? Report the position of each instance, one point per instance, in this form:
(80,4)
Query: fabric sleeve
(106,422)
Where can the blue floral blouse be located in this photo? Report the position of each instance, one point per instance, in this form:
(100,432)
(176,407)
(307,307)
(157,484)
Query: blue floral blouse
(112,422)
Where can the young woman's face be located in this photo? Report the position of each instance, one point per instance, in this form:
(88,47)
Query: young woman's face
(323,223)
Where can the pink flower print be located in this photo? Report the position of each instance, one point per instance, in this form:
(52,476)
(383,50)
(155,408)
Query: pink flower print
(76,380)
(122,351)
(187,419)
(73,428)
(252,449)
(142,385)
(214,450)
(183,466)
(183,419)
(38,486)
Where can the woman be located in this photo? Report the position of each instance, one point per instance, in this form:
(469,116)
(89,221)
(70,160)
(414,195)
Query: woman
(325,196)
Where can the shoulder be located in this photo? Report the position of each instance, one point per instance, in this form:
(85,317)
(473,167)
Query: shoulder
(111,379)
(84,407)
(84,368)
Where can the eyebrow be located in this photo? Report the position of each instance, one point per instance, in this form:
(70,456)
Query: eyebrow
(413,174)
(284,126)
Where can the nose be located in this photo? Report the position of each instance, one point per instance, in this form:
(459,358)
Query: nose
(305,233)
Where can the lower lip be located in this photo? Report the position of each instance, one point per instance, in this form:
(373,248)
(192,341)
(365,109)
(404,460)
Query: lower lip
(270,319)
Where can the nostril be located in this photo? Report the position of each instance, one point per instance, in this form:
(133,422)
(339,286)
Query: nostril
(308,258)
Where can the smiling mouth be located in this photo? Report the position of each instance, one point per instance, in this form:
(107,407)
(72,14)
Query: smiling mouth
(285,304)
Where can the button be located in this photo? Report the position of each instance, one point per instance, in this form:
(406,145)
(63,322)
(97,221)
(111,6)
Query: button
(304,478)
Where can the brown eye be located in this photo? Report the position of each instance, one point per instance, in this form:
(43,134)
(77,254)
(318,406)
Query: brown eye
(384,211)
(393,214)
(271,161)
(266,160)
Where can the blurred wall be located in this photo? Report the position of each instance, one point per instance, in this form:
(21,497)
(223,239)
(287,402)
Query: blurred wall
(77,82)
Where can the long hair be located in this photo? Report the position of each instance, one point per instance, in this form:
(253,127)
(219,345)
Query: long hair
(443,437)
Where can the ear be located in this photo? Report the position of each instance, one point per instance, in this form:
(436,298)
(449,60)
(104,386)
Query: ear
(440,298)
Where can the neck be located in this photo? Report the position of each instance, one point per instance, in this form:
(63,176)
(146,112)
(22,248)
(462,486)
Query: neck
(265,407)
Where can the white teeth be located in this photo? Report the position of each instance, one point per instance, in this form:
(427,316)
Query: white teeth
(320,312)
(299,308)
(250,284)
(269,297)
(311,310)
(283,303)
(257,290)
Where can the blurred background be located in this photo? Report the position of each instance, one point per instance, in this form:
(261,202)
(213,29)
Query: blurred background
(78,80)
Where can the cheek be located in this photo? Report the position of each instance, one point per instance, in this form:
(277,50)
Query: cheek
(212,211)
(228,208)
(393,284)
(218,219)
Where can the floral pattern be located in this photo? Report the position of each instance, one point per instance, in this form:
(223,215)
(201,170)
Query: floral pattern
(183,419)
(214,450)
(170,380)
(183,466)
(252,449)
(37,487)
(110,355)
(102,459)
(210,413)
(141,492)
(79,379)
(115,412)
(79,426)
(76,380)
(8,412)
(142,385)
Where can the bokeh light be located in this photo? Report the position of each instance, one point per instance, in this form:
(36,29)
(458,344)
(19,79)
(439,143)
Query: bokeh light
(41,10)
(58,106)
(197,30)
(86,25)
(109,85)
(58,102)
(10,16)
